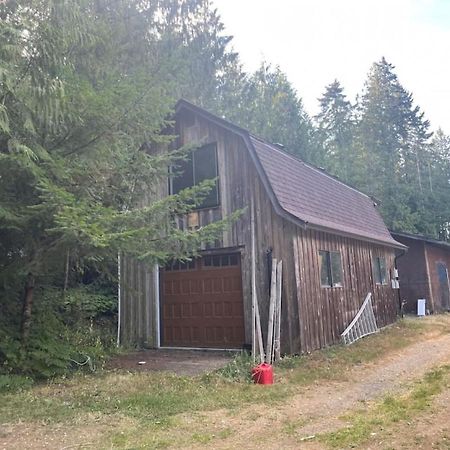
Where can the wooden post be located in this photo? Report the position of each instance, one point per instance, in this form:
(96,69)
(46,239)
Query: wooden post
(298,294)
(273,292)
(66,274)
(119,299)
(277,327)
(259,332)
(27,307)
(253,264)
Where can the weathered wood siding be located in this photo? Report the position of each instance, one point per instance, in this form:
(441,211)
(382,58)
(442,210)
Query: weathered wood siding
(327,310)
(419,277)
(138,304)
(312,317)
(413,274)
(439,299)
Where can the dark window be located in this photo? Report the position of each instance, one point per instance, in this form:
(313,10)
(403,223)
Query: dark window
(234,260)
(325,272)
(179,265)
(220,260)
(330,269)
(201,165)
(184,175)
(379,270)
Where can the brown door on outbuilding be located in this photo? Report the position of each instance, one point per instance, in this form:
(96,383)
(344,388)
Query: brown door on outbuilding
(443,285)
(202,303)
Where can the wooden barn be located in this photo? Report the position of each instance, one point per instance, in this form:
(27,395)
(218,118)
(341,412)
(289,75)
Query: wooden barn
(333,243)
(423,272)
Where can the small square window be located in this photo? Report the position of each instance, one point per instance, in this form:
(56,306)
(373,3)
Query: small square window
(330,269)
(233,260)
(379,270)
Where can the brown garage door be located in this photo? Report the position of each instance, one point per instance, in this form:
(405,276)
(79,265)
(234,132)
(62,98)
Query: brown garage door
(202,303)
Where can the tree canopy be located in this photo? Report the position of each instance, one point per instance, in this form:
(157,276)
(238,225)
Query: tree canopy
(86,93)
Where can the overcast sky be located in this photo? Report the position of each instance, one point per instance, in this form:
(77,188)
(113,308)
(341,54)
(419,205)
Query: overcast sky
(316,41)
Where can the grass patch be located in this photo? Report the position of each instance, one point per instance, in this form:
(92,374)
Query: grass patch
(239,369)
(290,427)
(149,397)
(391,410)
(202,438)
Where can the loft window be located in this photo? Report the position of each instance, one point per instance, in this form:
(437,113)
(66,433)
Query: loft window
(330,269)
(379,270)
(220,260)
(201,165)
(177,265)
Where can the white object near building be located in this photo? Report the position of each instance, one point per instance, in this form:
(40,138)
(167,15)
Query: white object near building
(421,306)
(363,324)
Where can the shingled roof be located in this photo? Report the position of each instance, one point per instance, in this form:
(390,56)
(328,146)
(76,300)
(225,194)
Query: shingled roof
(318,199)
(308,195)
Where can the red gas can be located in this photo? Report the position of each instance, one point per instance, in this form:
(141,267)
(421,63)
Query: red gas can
(262,374)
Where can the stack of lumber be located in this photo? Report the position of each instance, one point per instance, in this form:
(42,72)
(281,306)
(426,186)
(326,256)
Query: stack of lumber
(271,352)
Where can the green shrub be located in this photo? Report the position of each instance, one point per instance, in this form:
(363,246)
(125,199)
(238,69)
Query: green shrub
(65,333)
(239,368)
(10,383)
(88,303)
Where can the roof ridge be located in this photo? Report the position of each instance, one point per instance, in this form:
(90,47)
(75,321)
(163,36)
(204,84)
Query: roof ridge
(309,165)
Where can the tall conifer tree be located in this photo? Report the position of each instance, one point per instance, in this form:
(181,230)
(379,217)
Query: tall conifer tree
(335,128)
(393,135)
(83,85)
(272,109)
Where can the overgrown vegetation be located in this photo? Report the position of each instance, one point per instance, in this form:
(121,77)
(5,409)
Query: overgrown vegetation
(87,89)
(68,333)
(239,369)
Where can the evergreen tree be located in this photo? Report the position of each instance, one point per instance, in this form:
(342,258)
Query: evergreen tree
(436,186)
(82,87)
(195,42)
(392,134)
(335,129)
(270,108)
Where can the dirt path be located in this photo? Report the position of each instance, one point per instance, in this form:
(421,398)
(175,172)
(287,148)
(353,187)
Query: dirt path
(180,362)
(317,409)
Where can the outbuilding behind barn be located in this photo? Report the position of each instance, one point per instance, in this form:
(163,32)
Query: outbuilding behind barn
(423,272)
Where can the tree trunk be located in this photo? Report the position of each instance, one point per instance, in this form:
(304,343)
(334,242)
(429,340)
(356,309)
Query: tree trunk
(27,307)
(66,274)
